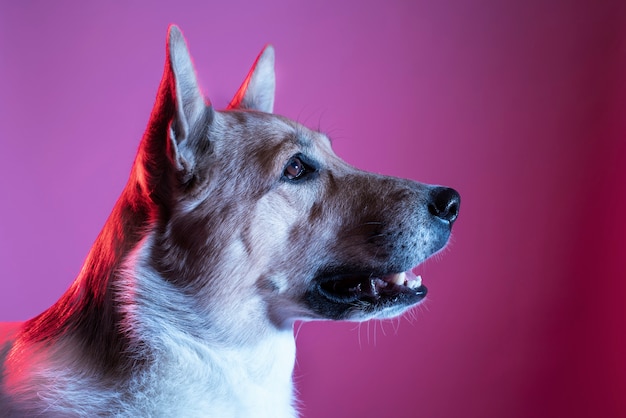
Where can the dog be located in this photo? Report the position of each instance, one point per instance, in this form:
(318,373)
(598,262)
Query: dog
(233,225)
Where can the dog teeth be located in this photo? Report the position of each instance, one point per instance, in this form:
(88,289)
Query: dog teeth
(399,279)
(407,279)
(415,283)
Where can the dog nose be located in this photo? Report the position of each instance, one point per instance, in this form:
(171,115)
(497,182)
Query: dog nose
(444,203)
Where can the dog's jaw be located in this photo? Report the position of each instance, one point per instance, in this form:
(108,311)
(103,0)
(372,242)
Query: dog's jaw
(363,296)
(349,288)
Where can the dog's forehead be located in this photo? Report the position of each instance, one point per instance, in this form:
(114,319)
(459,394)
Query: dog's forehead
(273,131)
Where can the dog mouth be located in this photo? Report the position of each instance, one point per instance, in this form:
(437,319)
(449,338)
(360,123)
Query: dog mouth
(352,288)
(339,296)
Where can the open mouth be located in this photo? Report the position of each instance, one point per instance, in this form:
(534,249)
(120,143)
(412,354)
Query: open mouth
(374,288)
(341,295)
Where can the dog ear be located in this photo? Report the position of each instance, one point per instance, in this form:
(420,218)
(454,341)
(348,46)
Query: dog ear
(188,99)
(258,89)
(168,142)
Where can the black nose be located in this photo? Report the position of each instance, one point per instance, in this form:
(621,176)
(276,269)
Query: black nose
(444,203)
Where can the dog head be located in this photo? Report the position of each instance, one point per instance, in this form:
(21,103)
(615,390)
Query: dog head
(253,215)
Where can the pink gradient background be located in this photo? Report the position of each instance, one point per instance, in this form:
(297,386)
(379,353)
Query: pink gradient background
(519,105)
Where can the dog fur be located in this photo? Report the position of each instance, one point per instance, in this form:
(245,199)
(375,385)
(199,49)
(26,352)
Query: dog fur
(233,225)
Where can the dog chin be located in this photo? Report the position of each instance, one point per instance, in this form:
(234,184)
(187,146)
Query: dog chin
(361,296)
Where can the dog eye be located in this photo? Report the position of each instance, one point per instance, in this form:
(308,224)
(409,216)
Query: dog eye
(295,169)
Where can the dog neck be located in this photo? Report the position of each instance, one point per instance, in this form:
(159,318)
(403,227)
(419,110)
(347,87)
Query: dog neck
(127,325)
(87,312)
(206,359)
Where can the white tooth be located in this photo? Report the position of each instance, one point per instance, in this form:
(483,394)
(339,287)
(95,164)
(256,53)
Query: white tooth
(418,281)
(399,278)
(415,283)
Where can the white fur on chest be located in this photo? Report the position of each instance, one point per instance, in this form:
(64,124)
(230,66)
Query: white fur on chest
(206,364)
(186,379)
(197,382)
(187,367)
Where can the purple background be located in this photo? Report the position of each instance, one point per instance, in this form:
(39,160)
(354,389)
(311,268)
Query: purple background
(517,104)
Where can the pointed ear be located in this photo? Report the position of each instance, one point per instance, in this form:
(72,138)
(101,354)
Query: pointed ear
(188,98)
(168,142)
(257,91)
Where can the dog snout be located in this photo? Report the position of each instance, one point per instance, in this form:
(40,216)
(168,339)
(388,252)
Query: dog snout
(444,204)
